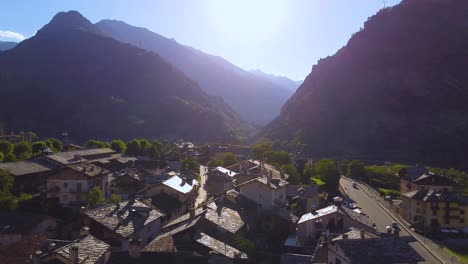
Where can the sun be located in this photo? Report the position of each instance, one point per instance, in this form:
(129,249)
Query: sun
(248,20)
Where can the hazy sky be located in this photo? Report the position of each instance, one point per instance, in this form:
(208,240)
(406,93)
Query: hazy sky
(284,37)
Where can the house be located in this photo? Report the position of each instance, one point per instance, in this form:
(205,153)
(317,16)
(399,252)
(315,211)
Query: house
(428,180)
(29,175)
(86,249)
(16,226)
(219,151)
(119,223)
(169,205)
(307,197)
(334,219)
(185,190)
(350,249)
(69,186)
(126,184)
(266,192)
(146,256)
(220,179)
(430,210)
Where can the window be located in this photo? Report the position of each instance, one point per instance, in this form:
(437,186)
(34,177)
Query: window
(462,211)
(434,212)
(462,220)
(65,185)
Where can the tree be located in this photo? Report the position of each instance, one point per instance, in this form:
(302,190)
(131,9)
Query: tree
(7,200)
(159,146)
(259,149)
(118,145)
(55,144)
(229,159)
(153,152)
(356,169)
(95,196)
(145,145)
(190,164)
(22,149)
(215,163)
(344,166)
(38,147)
(6,147)
(280,157)
(9,157)
(327,171)
(133,147)
(292,172)
(2,156)
(96,144)
(114,198)
(307,173)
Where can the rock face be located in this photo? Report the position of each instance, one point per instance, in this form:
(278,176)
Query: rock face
(6,45)
(256,97)
(71,77)
(397,90)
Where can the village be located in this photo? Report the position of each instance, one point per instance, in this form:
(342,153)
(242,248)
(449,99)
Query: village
(160,210)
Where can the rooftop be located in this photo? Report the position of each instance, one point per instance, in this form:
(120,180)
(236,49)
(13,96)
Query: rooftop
(88,169)
(18,222)
(433,196)
(355,233)
(225,171)
(218,246)
(336,209)
(179,184)
(134,217)
(19,168)
(309,191)
(90,249)
(75,156)
(434,180)
(379,250)
(224,217)
(319,213)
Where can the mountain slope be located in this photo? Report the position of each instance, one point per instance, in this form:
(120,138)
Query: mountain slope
(282,81)
(398,89)
(255,97)
(71,77)
(6,45)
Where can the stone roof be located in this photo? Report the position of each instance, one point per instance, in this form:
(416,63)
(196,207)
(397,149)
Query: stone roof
(19,168)
(433,180)
(433,196)
(163,244)
(336,209)
(265,180)
(90,249)
(224,217)
(69,157)
(355,233)
(309,191)
(218,246)
(134,216)
(88,169)
(379,250)
(146,257)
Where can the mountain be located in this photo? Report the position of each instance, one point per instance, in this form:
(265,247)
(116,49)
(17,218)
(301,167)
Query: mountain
(255,97)
(282,81)
(6,45)
(71,77)
(397,90)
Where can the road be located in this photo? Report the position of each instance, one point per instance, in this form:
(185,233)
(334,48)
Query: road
(201,190)
(382,218)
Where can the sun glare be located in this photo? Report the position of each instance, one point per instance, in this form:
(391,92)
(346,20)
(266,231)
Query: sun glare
(247,21)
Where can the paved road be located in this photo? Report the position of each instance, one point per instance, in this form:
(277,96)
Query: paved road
(381,218)
(201,190)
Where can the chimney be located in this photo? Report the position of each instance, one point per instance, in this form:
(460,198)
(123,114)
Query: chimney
(183,182)
(271,173)
(135,249)
(84,231)
(362,234)
(241,166)
(51,246)
(73,255)
(282,174)
(36,257)
(345,236)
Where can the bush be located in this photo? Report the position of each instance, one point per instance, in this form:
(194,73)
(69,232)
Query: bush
(118,145)
(244,245)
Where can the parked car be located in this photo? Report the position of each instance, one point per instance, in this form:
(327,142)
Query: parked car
(354,185)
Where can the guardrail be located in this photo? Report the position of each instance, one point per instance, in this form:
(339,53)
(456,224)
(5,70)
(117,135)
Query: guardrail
(430,245)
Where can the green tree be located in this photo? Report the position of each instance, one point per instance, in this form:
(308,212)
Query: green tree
(145,145)
(96,144)
(292,172)
(215,162)
(280,157)
(133,147)
(6,147)
(307,173)
(114,198)
(230,159)
(118,145)
(95,196)
(22,149)
(55,144)
(38,147)
(153,152)
(259,149)
(344,166)
(7,200)
(327,171)
(356,169)
(9,158)
(159,146)
(2,156)
(190,164)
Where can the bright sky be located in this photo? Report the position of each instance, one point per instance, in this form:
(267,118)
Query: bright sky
(283,37)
